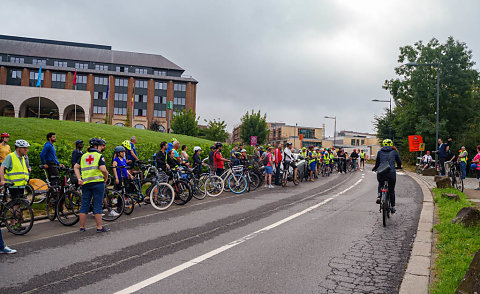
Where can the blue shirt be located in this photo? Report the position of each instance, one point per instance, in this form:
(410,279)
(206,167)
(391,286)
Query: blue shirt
(129,155)
(169,147)
(121,167)
(48,154)
(442,150)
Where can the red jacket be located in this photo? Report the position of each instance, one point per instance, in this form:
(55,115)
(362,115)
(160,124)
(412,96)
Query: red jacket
(278,155)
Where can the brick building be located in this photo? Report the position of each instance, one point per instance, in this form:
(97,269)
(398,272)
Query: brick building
(107,80)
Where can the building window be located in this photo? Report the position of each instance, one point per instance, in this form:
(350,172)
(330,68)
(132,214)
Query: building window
(120,110)
(58,63)
(307,133)
(101,81)
(142,71)
(120,97)
(160,100)
(58,80)
(100,95)
(159,72)
(81,65)
(363,142)
(101,67)
(17,59)
(140,126)
(119,124)
(160,86)
(352,142)
(159,113)
(100,109)
(180,87)
(178,101)
(14,77)
(141,84)
(81,82)
(39,61)
(141,98)
(34,78)
(121,69)
(121,82)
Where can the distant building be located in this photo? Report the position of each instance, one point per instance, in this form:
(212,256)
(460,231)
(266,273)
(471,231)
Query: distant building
(236,135)
(350,140)
(281,132)
(107,82)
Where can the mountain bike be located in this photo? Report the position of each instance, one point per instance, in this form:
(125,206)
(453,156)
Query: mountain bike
(16,214)
(385,203)
(454,174)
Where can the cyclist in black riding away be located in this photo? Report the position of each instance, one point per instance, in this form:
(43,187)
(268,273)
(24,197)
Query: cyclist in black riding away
(389,154)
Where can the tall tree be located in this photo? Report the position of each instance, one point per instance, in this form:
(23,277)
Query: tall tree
(216,130)
(185,123)
(414,92)
(254,124)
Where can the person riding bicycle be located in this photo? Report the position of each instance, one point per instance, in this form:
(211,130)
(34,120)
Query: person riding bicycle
(427,160)
(197,161)
(388,154)
(289,160)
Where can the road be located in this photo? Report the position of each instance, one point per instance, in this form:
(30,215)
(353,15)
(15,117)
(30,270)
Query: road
(321,237)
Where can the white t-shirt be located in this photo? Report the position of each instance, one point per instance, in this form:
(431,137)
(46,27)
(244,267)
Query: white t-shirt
(427,158)
(288,154)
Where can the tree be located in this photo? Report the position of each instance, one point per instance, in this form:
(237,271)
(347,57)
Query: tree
(216,130)
(414,92)
(254,124)
(185,123)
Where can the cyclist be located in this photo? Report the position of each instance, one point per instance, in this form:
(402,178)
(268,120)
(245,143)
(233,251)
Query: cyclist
(161,157)
(92,178)
(476,165)
(342,158)
(218,160)
(210,158)
(354,157)
(197,161)
(269,168)
(326,160)
(49,159)
(304,153)
(462,158)
(4,147)
(312,156)
(132,156)
(77,153)
(390,155)
(120,168)
(427,160)
(289,160)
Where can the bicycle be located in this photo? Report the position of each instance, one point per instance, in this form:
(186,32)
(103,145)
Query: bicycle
(15,213)
(385,203)
(454,174)
(288,174)
(236,182)
(181,187)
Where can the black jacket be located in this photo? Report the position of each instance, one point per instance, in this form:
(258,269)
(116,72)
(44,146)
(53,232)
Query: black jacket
(389,154)
(160,159)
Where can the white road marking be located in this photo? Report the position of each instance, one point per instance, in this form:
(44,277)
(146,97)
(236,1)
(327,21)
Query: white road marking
(190,263)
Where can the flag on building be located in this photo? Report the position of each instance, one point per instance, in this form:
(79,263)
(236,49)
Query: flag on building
(108,88)
(75,78)
(39,79)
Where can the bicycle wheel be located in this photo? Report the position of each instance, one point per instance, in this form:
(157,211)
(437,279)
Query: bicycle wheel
(237,183)
(458,181)
(129,204)
(214,186)
(162,196)
(183,192)
(113,206)
(146,187)
(197,192)
(51,205)
(254,181)
(68,207)
(385,208)
(18,217)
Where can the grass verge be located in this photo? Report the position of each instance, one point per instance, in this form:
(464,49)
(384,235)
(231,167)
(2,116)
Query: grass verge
(456,244)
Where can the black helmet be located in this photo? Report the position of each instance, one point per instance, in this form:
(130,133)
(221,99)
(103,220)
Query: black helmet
(212,147)
(103,142)
(218,145)
(288,143)
(97,142)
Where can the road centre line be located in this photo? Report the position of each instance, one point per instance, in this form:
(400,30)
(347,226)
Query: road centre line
(197,260)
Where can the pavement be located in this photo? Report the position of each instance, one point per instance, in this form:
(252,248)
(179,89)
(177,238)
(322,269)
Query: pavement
(321,237)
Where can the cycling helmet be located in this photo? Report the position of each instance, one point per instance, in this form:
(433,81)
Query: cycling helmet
(94,142)
(238,154)
(78,142)
(212,147)
(174,139)
(127,145)
(387,142)
(102,142)
(304,148)
(218,145)
(119,149)
(21,143)
(5,135)
(243,150)
(196,148)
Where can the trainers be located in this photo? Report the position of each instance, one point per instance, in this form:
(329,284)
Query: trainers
(113,213)
(393,210)
(271,186)
(103,230)
(82,230)
(266,186)
(379,200)
(8,250)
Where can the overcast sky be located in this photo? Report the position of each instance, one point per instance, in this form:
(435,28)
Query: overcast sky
(295,60)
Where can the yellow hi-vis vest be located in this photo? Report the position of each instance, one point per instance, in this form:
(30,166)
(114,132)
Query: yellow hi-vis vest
(312,158)
(464,159)
(19,173)
(326,158)
(362,155)
(89,168)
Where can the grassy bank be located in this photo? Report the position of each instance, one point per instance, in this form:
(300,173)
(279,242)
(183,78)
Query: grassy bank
(456,244)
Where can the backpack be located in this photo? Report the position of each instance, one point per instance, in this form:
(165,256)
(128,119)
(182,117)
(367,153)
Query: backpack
(265,158)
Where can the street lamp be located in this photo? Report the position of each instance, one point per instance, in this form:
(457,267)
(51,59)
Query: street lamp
(335,129)
(437,65)
(389,116)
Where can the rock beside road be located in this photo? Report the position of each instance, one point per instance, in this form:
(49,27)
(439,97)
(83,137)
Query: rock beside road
(471,281)
(451,196)
(429,172)
(443,182)
(467,216)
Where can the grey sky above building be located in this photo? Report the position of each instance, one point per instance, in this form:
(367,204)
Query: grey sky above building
(296,60)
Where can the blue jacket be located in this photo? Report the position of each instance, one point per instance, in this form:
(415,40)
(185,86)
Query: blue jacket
(48,154)
(389,154)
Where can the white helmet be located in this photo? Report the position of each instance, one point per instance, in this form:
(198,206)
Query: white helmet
(21,143)
(243,150)
(196,148)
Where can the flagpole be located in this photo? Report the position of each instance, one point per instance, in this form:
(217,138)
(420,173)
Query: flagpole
(39,100)
(75,101)
(39,84)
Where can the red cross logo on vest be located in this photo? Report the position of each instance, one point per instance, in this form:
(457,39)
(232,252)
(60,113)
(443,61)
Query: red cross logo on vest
(89,159)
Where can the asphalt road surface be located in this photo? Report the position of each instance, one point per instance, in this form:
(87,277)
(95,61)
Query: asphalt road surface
(321,237)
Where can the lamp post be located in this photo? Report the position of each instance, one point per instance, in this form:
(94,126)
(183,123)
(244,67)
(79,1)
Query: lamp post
(437,65)
(335,129)
(389,116)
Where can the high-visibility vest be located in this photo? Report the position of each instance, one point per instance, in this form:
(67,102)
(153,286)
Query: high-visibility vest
(332,156)
(326,158)
(464,159)
(312,157)
(304,154)
(362,155)
(90,171)
(19,173)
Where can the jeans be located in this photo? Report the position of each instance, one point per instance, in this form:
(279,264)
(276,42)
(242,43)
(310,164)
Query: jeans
(2,245)
(442,165)
(392,179)
(95,191)
(463,169)
(354,164)
(277,173)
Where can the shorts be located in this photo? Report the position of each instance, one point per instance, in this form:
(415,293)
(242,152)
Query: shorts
(362,159)
(93,191)
(268,170)
(312,166)
(219,171)
(16,193)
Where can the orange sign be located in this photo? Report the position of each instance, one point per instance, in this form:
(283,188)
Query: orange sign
(414,142)
(300,137)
